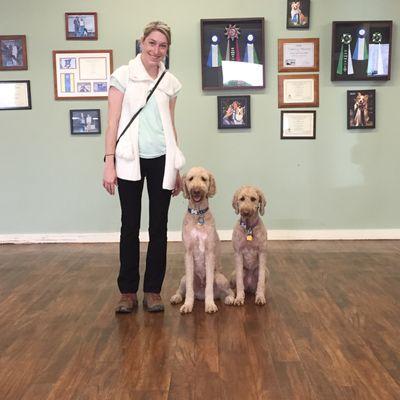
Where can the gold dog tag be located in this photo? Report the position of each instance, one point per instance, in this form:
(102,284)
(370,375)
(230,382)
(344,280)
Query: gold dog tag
(249,238)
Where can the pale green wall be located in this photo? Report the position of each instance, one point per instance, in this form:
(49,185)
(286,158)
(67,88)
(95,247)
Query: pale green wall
(51,181)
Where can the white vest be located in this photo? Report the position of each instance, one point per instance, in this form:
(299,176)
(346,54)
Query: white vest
(138,84)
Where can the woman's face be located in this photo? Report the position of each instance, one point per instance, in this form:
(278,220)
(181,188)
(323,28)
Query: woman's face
(154,49)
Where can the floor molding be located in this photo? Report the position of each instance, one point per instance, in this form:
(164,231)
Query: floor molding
(175,236)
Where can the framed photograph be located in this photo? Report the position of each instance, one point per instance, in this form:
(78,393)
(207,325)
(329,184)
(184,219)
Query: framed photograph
(15,95)
(13,53)
(85,122)
(80,74)
(81,26)
(298,124)
(233,112)
(361,109)
(138,50)
(298,55)
(298,14)
(298,90)
(232,53)
(361,50)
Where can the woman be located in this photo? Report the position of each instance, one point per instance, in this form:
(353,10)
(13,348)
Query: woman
(148,150)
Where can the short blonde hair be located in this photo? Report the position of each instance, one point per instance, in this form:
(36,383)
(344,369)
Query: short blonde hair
(157,26)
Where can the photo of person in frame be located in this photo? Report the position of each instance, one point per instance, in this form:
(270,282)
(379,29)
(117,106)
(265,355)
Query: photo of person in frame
(11,53)
(85,121)
(233,112)
(81,26)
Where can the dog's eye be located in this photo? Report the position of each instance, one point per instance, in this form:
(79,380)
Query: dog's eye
(242,198)
(203,179)
(191,178)
(253,198)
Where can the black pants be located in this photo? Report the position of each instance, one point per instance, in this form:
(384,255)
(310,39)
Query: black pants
(130,195)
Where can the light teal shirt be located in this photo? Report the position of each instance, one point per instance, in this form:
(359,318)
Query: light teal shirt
(151,134)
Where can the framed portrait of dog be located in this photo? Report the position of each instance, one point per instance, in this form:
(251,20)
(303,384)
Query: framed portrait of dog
(361,109)
(232,53)
(298,14)
(233,112)
(361,50)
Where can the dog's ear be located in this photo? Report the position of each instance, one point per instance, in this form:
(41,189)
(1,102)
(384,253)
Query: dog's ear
(185,190)
(212,189)
(262,201)
(235,203)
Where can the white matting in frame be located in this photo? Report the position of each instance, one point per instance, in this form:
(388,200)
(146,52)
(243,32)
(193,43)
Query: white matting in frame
(82,74)
(15,95)
(298,124)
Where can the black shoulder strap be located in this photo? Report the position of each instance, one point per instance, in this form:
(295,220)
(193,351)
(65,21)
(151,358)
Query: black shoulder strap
(141,108)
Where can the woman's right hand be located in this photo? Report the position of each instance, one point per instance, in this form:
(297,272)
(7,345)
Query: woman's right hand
(110,177)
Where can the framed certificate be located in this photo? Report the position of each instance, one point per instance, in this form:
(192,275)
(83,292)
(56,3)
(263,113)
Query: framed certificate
(298,124)
(298,90)
(298,55)
(15,95)
(80,74)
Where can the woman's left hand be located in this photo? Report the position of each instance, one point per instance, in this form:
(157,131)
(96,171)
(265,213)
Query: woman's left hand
(178,185)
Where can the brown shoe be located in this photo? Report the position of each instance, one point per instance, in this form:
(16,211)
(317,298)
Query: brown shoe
(152,302)
(127,303)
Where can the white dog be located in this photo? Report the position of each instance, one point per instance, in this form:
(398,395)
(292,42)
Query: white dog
(249,241)
(203,279)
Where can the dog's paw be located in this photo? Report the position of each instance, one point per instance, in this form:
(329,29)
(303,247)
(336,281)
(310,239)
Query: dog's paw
(260,299)
(186,308)
(211,308)
(229,300)
(176,299)
(239,301)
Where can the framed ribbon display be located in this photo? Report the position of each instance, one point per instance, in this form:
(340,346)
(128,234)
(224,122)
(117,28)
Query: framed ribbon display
(232,53)
(361,50)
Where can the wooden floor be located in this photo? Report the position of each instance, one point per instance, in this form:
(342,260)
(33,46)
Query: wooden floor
(331,329)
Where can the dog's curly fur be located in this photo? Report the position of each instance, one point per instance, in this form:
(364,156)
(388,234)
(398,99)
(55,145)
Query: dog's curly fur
(203,279)
(251,270)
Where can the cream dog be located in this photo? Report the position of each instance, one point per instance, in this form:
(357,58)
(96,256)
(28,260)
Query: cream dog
(203,279)
(249,241)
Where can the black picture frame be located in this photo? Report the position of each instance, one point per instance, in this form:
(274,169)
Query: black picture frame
(369,44)
(232,53)
(361,109)
(81,26)
(298,14)
(309,133)
(85,122)
(234,112)
(15,95)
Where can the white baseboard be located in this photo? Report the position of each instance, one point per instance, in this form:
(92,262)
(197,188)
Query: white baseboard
(175,236)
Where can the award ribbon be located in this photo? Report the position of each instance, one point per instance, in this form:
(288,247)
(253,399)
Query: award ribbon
(361,51)
(232,46)
(375,62)
(250,54)
(345,64)
(214,55)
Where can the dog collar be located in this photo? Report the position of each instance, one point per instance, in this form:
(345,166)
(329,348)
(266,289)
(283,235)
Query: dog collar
(248,229)
(200,213)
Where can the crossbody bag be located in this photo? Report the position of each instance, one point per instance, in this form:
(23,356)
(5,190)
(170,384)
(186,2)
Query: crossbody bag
(138,111)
